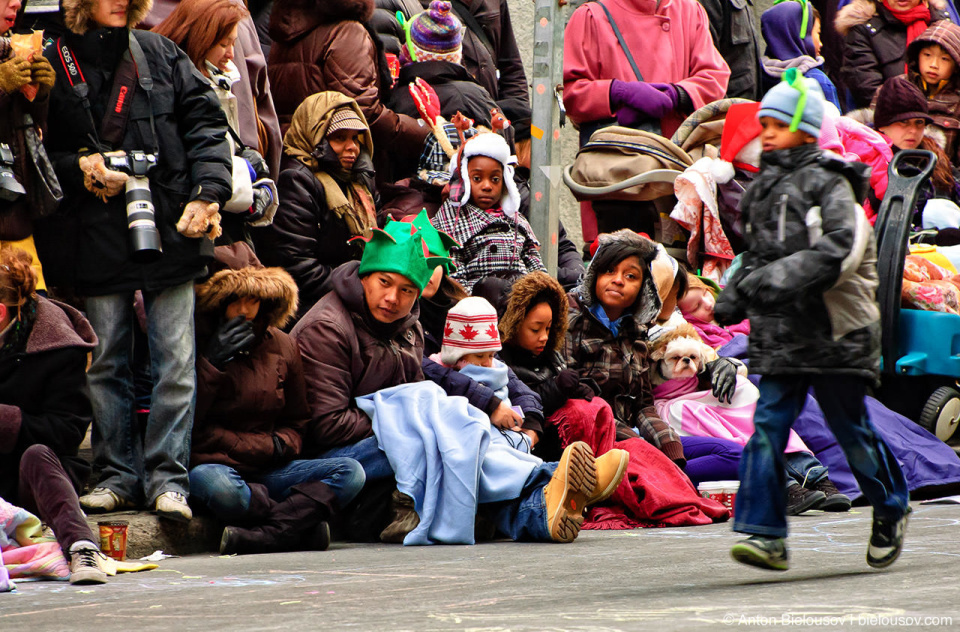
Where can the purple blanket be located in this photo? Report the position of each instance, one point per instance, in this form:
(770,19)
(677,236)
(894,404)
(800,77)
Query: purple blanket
(924,459)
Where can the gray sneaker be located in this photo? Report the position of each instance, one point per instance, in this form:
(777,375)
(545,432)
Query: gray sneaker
(103,500)
(86,567)
(762,552)
(173,506)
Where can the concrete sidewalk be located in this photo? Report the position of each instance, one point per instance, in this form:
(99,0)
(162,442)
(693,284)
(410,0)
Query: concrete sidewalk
(649,579)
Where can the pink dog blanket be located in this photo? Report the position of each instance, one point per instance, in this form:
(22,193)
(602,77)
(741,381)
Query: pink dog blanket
(696,413)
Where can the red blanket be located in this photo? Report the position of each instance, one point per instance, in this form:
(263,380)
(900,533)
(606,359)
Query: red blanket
(654,493)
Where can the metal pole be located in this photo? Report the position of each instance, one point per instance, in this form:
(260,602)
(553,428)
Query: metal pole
(545,166)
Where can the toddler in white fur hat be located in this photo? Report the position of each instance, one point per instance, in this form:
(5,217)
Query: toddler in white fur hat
(482,213)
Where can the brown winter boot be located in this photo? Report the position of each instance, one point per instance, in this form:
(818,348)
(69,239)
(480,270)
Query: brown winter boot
(405,519)
(565,496)
(611,467)
(293,524)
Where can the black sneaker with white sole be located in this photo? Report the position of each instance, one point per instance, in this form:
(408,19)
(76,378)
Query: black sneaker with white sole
(886,540)
(762,552)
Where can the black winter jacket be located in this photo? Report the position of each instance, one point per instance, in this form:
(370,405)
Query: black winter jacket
(809,278)
(306,238)
(86,244)
(43,393)
(539,373)
(456,89)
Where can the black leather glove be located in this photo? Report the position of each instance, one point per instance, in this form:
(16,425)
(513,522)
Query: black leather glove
(261,200)
(585,391)
(279,449)
(723,378)
(567,380)
(256,161)
(233,336)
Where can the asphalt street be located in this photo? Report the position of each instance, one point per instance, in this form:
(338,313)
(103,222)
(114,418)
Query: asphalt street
(647,579)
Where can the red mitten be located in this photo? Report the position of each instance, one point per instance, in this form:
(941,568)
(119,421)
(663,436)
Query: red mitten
(425,97)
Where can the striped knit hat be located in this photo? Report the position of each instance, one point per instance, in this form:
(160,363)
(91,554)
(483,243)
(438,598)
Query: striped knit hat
(471,327)
(433,35)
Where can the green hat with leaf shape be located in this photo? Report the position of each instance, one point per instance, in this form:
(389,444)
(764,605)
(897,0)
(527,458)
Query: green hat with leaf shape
(438,242)
(403,253)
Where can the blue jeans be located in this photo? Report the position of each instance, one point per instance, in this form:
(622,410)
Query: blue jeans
(367,452)
(226,494)
(804,468)
(142,470)
(761,501)
(524,518)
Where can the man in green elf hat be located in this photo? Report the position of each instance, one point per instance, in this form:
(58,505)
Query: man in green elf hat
(364,336)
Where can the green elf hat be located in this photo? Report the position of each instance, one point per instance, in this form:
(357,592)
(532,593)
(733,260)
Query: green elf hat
(404,254)
(438,242)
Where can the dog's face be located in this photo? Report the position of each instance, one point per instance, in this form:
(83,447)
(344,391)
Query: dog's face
(682,358)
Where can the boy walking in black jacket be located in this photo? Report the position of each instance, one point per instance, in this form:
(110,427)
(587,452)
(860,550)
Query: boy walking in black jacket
(808,284)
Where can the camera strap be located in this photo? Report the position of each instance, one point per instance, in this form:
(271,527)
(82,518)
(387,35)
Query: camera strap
(132,70)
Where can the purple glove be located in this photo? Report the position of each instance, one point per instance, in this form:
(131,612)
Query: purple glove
(645,99)
(671,91)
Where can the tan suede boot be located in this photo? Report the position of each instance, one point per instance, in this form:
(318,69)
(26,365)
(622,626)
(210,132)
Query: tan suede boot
(611,468)
(566,494)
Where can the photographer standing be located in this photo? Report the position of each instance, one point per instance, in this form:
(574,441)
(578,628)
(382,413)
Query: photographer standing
(138,140)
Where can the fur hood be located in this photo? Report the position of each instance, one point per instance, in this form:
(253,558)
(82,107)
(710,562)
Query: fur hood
(78,14)
(862,11)
(522,294)
(626,243)
(292,19)
(241,274)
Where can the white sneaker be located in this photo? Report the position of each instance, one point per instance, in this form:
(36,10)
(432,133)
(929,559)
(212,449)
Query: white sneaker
(103,500)
(173,506)
(86,567)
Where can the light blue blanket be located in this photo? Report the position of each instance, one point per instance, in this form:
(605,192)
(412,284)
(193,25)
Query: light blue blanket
(444,455)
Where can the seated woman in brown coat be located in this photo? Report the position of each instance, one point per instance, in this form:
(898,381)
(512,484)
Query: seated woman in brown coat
(251,409)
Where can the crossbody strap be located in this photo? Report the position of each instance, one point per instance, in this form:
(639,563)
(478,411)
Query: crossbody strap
(623,44)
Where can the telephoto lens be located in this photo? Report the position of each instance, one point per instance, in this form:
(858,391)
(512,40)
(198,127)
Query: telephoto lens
(10,189)
(141,221)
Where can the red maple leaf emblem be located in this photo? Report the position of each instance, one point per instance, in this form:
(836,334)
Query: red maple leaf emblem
(447,331)
(492,332)
(468,332)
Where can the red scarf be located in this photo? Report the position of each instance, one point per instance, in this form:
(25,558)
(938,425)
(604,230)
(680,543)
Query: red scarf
(917,19)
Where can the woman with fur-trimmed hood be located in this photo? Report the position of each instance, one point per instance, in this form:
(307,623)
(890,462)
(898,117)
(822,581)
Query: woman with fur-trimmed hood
(533,330)
(252,406)
(876,36)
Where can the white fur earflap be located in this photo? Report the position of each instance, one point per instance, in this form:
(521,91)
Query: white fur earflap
(492,146)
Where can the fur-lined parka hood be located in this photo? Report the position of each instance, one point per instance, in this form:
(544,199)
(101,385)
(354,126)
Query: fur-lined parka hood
(522,294)
(240,275)
(292,19)
(627,243)
(862,11)
(78,14)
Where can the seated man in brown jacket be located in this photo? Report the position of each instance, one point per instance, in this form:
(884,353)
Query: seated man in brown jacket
(363,336)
